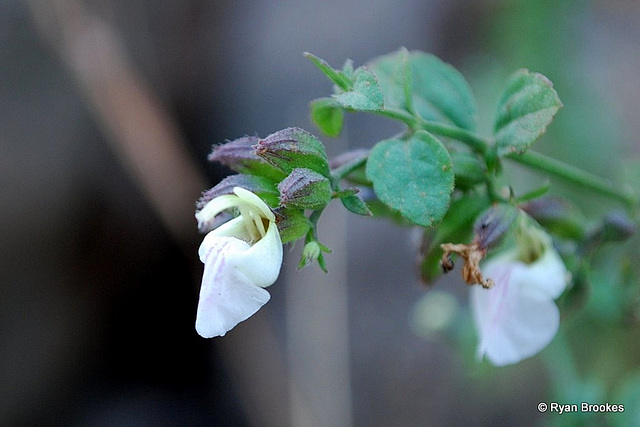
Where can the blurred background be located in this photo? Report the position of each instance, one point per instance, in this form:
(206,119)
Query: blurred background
(108,110)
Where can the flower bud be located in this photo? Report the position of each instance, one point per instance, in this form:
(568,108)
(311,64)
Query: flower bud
(313,252)
(491,226)
(558,216)
(616,227)
(240,156)
(293,148)
(305,189)
(261,186)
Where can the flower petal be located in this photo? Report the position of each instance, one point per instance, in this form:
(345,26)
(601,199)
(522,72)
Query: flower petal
(207,214)
(261,262)
(255,201)
(232,228)
(227,296)
(547,277)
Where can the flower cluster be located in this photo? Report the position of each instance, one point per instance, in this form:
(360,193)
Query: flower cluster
(279,179)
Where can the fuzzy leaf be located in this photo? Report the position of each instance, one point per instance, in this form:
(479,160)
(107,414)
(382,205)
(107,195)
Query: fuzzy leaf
(365,95)
(357,89)
(327,115)
(423,84)
(342,80)
(527,107)
(354,203)
(414,177)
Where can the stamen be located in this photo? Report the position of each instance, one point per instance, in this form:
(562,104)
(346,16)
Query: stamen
(256,201)
(257,219)
(249,224)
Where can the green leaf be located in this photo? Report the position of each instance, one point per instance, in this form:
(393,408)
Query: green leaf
(342,80)
(414,177)
(380,210)
(527,107)
(468,170)
(456,227)
(357,90)
(424,85)
(355,204)
(327,115)
(365,95)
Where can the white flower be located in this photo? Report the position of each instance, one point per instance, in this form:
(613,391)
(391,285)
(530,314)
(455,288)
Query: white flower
(241,257)
(518,317)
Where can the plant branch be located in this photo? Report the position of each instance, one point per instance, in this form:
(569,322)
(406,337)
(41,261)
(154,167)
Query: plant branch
(576,175)
(473,140)
(531,159)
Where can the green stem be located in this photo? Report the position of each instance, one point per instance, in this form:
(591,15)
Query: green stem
(532,159)
(312,234)
(476,142)
(492,190)
(340,172)
(575,175)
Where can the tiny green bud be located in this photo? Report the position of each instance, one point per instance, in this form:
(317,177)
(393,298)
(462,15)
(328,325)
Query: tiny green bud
(313,252)
(532,240)
(305,189)
(294,148)
(240,156)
